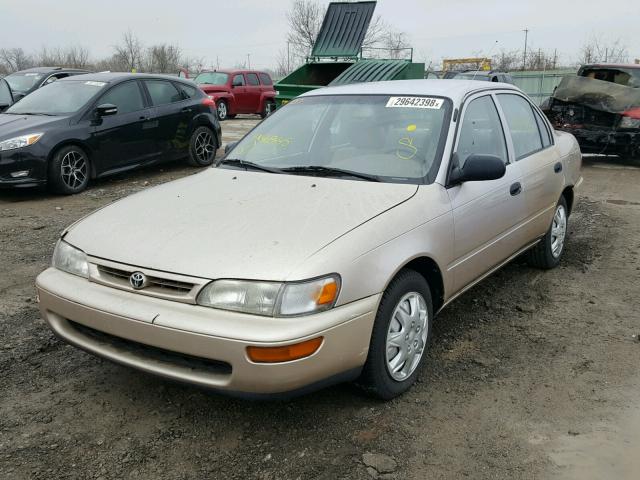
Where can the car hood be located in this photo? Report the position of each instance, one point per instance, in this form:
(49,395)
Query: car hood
(226,223)
(214,88)
(15,125)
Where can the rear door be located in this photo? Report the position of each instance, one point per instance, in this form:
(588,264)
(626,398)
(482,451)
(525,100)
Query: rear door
(486,214)
(127,138)
(542,177)
(173,112)
(254,92)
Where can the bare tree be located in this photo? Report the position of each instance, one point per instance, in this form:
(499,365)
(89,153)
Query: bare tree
(15,59)
(128,56)
(163,58)
(596,49)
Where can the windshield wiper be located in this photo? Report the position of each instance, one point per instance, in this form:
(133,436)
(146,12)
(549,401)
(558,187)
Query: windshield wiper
(330,172)
(236,162)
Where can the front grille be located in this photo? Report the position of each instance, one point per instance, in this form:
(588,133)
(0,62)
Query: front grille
(155,353)
(161,285)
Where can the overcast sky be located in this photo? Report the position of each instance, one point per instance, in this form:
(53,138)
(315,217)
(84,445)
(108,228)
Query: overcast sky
(230,30)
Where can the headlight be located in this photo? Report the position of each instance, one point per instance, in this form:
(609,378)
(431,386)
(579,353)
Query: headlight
(19,142)
(272,298)
(70,259)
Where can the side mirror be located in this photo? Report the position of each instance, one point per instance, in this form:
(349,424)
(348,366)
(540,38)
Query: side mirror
(106,109)
(477,168)
(229,146)
(18,96)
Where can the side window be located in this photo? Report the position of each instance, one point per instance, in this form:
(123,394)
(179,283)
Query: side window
(252,79)
(481,131)
(544,131)
(5,94)
(126,97)
(265,79)
(522,124)
(162,92)
(238,80)
(188,90)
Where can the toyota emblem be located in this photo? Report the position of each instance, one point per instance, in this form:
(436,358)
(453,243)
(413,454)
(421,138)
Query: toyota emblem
(138,280)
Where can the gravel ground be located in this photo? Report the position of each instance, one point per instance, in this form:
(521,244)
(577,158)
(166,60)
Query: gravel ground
(530,374)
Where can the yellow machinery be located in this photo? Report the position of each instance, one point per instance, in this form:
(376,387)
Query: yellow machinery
(467,64)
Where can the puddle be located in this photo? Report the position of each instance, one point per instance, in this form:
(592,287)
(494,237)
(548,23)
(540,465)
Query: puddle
(622,202)
(608,451)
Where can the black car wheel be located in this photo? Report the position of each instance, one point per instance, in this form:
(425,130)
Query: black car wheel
(202,147)
(69,170)
(267,109)
(401,333)
(223,110)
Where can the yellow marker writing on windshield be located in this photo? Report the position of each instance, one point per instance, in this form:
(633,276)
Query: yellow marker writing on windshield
(411,128)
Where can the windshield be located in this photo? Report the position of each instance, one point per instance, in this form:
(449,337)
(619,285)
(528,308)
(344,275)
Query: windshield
(212,78)
(394,138)
(58,98)
(22,82)
(628,77)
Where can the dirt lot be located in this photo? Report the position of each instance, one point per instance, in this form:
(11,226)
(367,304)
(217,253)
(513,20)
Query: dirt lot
(530,374)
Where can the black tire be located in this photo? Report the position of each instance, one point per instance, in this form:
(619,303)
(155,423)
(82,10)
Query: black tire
(203,145)
(376,377)
(268,107)
(544,254)
(223,110)
(69,170)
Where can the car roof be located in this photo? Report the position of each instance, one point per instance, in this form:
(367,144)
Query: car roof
(231,71)
(113,77)
(456,90)
(50,70)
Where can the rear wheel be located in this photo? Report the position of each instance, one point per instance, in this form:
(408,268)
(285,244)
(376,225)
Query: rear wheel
(268,108)
(202,147)
(69,170)
(400,336)
(547,252)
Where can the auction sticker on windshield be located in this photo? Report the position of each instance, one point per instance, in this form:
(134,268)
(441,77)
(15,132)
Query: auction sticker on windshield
(415,102)
(95,84)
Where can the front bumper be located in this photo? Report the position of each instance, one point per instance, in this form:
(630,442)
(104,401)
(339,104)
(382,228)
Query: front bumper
(604,140)
(31,159)
(200,345)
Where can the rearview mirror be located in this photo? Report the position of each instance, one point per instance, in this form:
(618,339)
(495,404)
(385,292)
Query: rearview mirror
(478,167)
(106,109)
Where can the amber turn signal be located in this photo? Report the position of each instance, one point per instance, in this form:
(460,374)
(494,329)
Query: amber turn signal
(286,353)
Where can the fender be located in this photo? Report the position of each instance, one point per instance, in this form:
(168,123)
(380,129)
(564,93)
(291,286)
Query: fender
(207,120)
(228,97)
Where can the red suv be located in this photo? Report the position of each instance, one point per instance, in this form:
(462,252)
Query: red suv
(238,91)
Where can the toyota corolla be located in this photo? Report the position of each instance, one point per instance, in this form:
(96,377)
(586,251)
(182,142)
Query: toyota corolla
(322,245)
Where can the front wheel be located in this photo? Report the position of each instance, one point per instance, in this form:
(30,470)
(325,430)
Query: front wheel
(69,170)
(223,110)
(400,336)
(546,254)
(202,147)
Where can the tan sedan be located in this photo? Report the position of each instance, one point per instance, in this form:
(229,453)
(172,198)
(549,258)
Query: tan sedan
(323,244)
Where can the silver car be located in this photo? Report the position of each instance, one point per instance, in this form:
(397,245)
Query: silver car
(323,244)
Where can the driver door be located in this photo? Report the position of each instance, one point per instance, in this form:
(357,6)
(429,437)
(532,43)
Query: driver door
(486,213)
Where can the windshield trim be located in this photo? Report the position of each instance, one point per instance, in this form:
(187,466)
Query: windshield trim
(431,175)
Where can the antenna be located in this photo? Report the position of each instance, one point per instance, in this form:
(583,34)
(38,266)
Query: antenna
(488,56)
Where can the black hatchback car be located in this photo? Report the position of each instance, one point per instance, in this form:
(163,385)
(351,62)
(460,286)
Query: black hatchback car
(27,81)
(90,126)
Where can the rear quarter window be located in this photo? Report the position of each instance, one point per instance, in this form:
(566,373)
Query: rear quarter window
(265,79)
(252,79)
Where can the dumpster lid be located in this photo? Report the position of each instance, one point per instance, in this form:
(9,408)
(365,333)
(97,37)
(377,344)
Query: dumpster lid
(343,29)
(370,71)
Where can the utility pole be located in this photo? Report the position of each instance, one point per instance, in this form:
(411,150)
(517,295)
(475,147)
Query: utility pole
(524,57)
(288,59)
(248,60)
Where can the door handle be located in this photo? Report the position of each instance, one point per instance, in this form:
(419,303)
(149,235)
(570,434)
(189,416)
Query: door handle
(557,167)
(515,189)
(144,117)
(186,110)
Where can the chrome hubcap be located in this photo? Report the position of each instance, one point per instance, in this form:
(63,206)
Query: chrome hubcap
(558,231)
(204,147)
(222,110)
(407,336)
(73,169)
